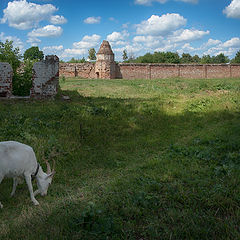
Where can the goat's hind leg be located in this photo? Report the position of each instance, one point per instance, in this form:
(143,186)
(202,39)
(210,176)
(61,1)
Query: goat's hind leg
(15,183)
(1,178)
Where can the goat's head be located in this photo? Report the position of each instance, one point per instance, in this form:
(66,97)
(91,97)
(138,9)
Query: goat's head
(45,179)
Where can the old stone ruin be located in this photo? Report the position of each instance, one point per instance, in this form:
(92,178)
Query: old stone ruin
(46,73)
(106,68)
(6,74)
(45,81)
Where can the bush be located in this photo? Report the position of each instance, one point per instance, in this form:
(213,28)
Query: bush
(22,81)
(10,54)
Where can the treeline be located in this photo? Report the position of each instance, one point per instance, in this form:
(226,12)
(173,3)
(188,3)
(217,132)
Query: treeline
(74,60)
(185,58)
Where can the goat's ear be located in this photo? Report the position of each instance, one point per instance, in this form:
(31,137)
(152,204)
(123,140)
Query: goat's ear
(50,175)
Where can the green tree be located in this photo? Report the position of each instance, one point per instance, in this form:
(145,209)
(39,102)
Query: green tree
(159,57)
(147,58)
(10,54)
(237,58)
(196,59)
(33,53)
(92,54)
(206,59)
(125,56)
(73,60)
(171,57)
(220,58)
(186,58)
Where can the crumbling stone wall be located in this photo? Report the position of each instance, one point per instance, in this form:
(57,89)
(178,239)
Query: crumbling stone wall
(108,70)
(6,74)
(82,70)
(45,78)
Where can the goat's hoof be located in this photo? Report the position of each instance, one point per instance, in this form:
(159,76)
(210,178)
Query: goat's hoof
(36,203)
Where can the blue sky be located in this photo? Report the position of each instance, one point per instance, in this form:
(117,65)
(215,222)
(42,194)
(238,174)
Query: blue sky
(70,28)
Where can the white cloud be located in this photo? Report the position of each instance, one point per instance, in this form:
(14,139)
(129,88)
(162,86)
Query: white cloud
(148,41)
(16,41)
(53,50)
(33,41)
(161,25)
(212,42)
(81,48)
(116,36)
(47,31)
(125,25)
(58,19)
(167,46)
(25,15)
(188,1)
(92,20)
(149,2)
(187,47)
(73,52)
(131,49)
(233,10)
(188,35)
(229,48)
(232,43)
(87,42)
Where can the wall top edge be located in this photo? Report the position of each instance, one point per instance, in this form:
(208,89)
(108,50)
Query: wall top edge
(152,64)
(175,65)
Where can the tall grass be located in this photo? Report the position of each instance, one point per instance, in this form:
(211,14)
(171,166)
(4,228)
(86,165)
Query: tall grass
(136,159)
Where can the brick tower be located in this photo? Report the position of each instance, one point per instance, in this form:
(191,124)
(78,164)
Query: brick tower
(105,67)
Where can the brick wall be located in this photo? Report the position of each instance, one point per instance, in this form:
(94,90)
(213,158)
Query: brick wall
(6,74)
(164,71)
(133,71)
(189,71)
(154,71)
(235,70)
(192,71)
(218,71)
(82,70)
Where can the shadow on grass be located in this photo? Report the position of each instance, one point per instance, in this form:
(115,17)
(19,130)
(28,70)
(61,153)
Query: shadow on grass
(128,170)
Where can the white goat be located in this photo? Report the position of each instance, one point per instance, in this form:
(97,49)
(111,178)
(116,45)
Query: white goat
(18,160)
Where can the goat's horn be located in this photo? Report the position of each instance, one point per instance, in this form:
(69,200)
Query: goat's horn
(54,164)
(48,167)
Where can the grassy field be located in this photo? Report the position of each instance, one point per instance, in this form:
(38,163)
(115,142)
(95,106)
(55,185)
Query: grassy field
(136,159)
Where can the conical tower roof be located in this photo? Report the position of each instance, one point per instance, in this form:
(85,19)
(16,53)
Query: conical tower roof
(105,48)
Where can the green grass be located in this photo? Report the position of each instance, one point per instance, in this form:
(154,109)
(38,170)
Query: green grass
(136,159)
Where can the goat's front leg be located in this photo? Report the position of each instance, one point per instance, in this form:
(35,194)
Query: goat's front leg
(15,183)
(36,193)
(1,178)
(30,188)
